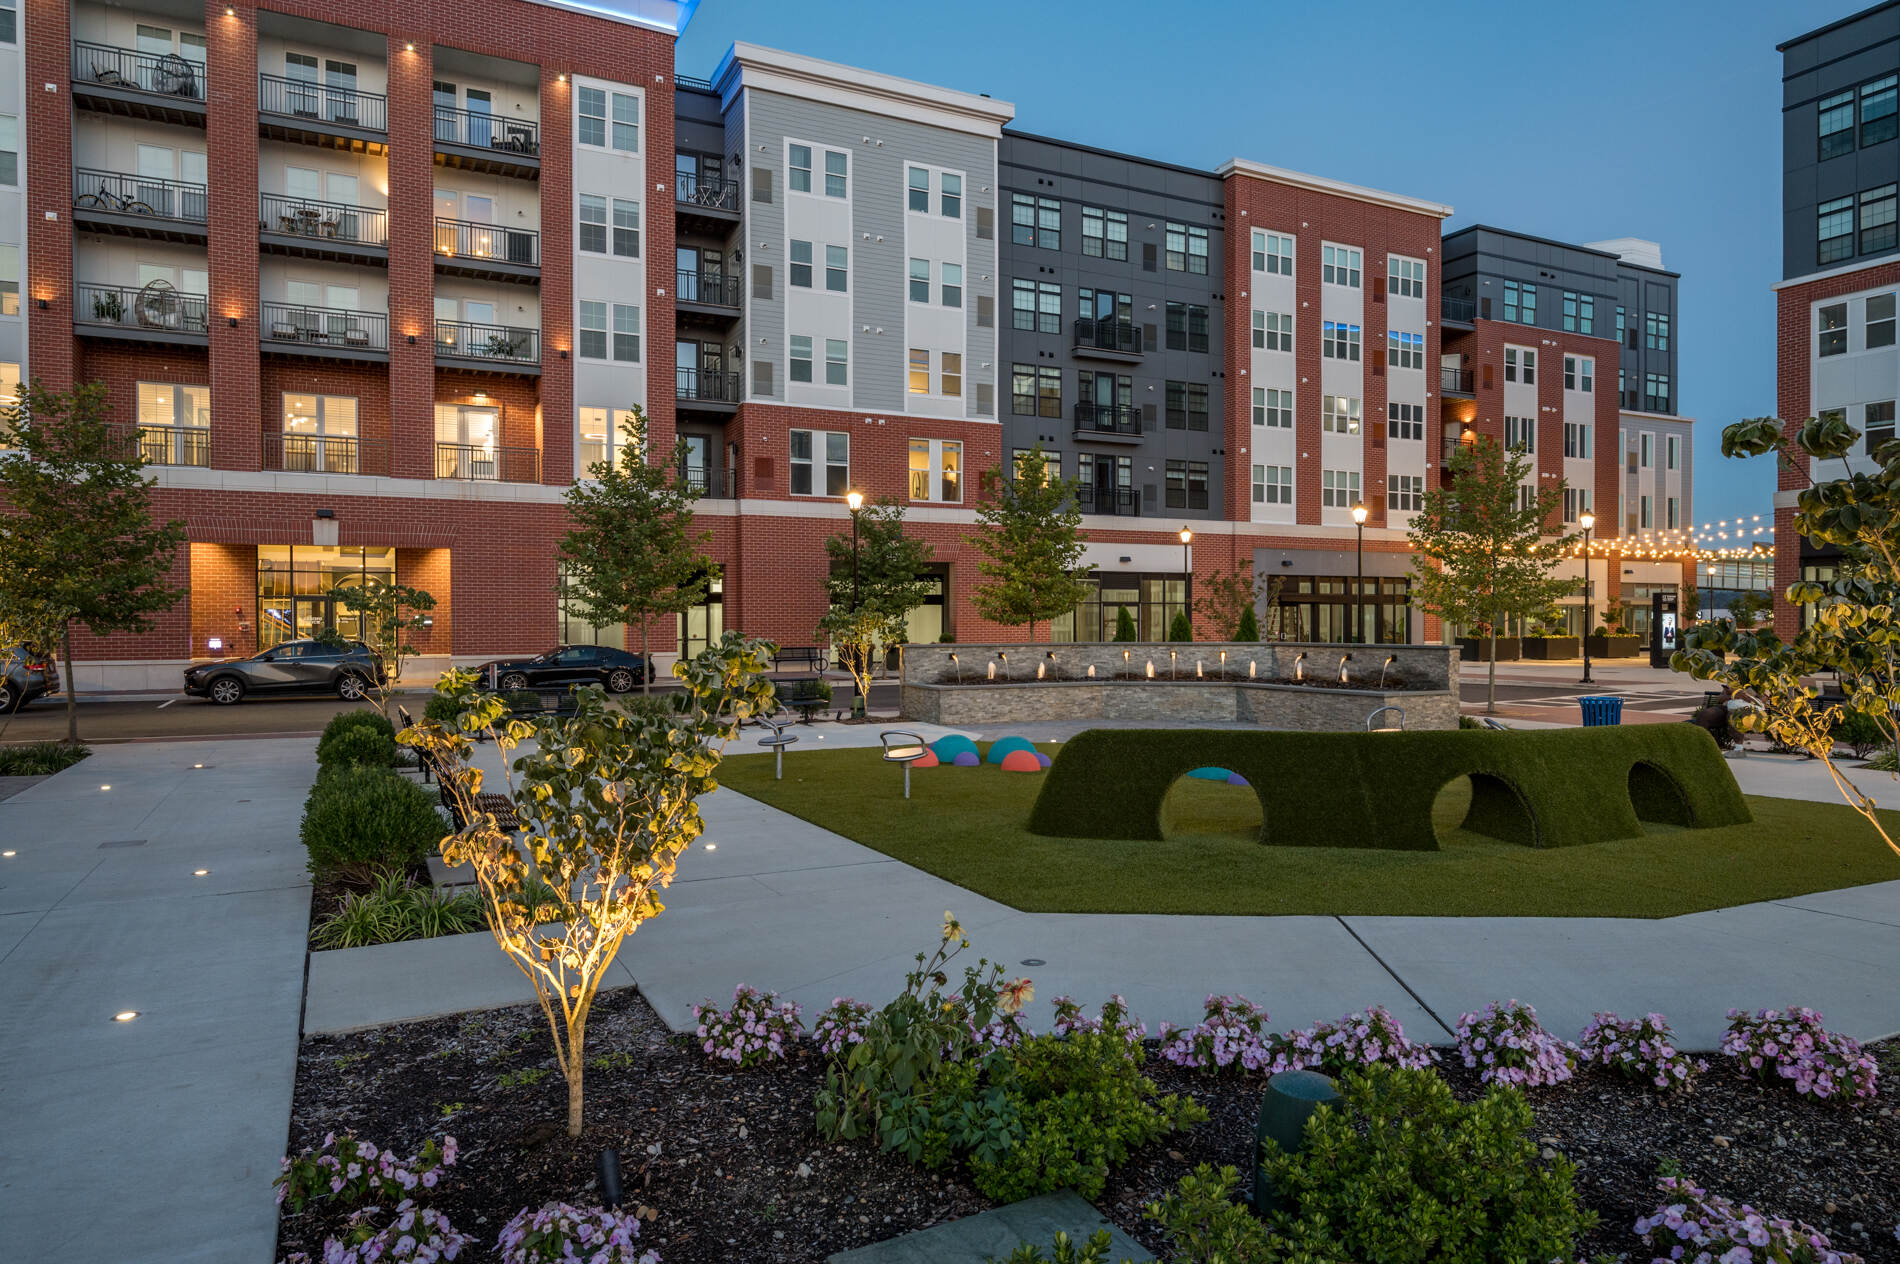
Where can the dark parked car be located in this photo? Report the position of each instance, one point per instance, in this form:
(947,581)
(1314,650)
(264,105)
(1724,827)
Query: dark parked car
(345,669)
(24,676)
(567,665)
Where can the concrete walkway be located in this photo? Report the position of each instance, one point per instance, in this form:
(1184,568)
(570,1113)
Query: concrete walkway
(154,1139)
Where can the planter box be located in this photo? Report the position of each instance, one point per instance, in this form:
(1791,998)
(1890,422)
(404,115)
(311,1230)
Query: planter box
(1548,647)
(1614,646)
(1476,650)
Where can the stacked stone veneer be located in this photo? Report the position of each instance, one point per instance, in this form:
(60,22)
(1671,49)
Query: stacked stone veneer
(1177,694)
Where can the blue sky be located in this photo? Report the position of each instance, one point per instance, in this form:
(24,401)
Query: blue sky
(1657,120)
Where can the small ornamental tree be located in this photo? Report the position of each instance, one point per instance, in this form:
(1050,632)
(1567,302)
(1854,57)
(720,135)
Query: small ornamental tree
(78,542)
(1747,609)
(1181,629)
(1482,555)
(869,605)
(387,613)
(1229,597)
(1249,629)
(1124,624)
(607,801)
(1031,544)
(633,552)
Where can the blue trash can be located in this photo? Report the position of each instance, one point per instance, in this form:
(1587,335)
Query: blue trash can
(1601,709)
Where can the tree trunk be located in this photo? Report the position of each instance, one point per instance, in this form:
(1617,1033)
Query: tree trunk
(646,690)
(72,686)
(1491,677)
(575,1067)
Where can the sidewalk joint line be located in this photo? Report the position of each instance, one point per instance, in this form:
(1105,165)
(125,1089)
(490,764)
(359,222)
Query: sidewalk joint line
(1416,998)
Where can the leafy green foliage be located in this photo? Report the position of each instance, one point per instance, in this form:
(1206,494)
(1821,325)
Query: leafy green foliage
(355,744)
(1229,597)
(361,822)
(442,709)
(1249,628)
(871,593)
(1030,543)
(1064,1250)
(522,701)
(39,759)
(1402,1172)
(387,613)
(1858,731)
(1206,1226)
(1180,629)
(359,718)
(396,909)
(1124,624)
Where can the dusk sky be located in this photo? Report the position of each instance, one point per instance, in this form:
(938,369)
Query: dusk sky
(1657,120)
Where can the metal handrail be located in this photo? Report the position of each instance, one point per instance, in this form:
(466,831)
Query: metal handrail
(468,239)
(325,326)
(126,194)
(1108,335)
(309,99)
(1450,379)
(706,287)
(142,307)
(706,384)
(326,221)
(692,81)
(1120,500)
(325,454)
(486,463)
(163,74)
(480,129)
(1108,418)
(169,445)
(1459,309)
(487,342)
(709,194)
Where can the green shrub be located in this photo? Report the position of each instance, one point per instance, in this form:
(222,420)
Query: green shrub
(1249,629)
(1858,731)
(355,744)
(1064,1251)
(660,706)
(522,701)
(361,717)
(1124,625)
(442,709)
(397,909)
(361,822)
(39,759)
(1203,1225)
(1181,629)
(1402,1172)
(1469,722)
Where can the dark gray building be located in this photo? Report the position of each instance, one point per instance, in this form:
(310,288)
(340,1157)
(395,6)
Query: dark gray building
(1840,152)
(1110,323)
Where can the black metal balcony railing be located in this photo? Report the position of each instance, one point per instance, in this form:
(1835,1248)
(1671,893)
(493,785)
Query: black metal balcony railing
(1107,500)
(707,193)
(1455,380)
(479,129)
(123,194)
(168,445)
(308,99)
(325,327)
(163,74)
(707,385)
(706,287)
(325,454)
(1464,310)
(1108,418)
(466,239)
(491,464)
(155,307)
(1108,335)
(487,342)
(698,477)
(323,221)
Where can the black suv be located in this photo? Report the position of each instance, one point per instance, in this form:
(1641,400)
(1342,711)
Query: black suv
(343,668)
(568,665)
(24,676)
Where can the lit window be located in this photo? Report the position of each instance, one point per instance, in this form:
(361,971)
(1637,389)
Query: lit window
(919,371)
(1833,329)
(1339,414)
(950,380)
(936,469)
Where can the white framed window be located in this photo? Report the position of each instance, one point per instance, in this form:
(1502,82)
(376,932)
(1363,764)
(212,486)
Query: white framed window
(626,333)
(820,462)
(1405,278)
(836,167)
(1338,340)
(920,280)
(1672,453)
(936,470)
(1642,513)
(919,374)
(1403,350)
(9,280)
(800,358)
(9,22)
(950,194)
(1405,421)
(1577,440)
(1520,365)
(1338,489)
(602,433)
(1832,319)
(608,120)
(1272,484)
(837,269)
(626,228)
(1879,321)
(9,150)
(1672,508)
(174,423)
(798,164)
(1273,253)
(951,275)
(626,127)
(1272,408)
(1339,414)
(917,187)
(1273,331)
(1520,434)
(799,265)
(837,362)
(592,343)
(950,374)
(591,234)
(1576,502)
(1339,265)
(1406,493)
(1580,373)
(1646,449)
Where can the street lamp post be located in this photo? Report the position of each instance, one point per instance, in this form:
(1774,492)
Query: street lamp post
(1359,515)
(1586,521)
(855,501)
(1187,568)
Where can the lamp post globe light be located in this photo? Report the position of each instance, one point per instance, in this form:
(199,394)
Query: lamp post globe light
(1359,515)
(1586,520)
(1187,568)
(854,501)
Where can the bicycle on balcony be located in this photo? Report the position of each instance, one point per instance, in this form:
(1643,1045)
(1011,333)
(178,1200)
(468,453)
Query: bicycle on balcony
(106,200)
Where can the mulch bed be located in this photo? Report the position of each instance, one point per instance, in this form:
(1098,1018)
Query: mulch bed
(726,1164)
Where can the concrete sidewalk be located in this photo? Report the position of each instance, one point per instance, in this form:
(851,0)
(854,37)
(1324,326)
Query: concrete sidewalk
(154,1139)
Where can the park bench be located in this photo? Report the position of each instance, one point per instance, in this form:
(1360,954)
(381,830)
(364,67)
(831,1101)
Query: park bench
(812,656)
(500,806)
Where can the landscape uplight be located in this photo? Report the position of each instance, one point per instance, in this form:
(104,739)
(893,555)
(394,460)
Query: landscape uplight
(125,1016)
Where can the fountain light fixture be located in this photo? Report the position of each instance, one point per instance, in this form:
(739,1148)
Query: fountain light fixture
(125,1016)
(105,787)
(199,873)
(9,852)
(1299,665)
(1343,660)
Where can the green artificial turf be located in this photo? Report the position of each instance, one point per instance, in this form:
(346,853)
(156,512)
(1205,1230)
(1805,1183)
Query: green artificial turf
(969,825)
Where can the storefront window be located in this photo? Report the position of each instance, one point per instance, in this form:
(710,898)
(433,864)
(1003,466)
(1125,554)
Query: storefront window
(576,626)
(704,623)
(1152,601)
(1320,608)
(297,587)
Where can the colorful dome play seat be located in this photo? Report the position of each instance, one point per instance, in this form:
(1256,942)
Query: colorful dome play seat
(1021,761)
(950,746)
(1003,747)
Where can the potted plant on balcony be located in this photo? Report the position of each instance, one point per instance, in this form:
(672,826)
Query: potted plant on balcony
(107,305)
(1544,643)
(499,346)
(1612,638)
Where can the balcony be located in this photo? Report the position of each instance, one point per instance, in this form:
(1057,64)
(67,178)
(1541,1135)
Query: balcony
(1115,422)
(1457,311)
(708,480)
(133,206)
(331,333)
(486,463)
(162,87)
(1108,339)
(1455,381)
(325,454)
(706,206)
(476,140)
(709,297)
(150,313)
(311,113)
(1122,501)
(167,445)
(709,390)
(467,248)
(492,348)
(322,230)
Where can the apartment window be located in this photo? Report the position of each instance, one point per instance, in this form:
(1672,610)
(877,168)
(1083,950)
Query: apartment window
(1186,249)
(919,371)
(1833,319)
(1273,331)
(1036,306)
(1035,221)
(1656,331)
(920,280)
(801,358)
(1877,229)
(1672,451)
(836,272)
(1273,252)
(1837,124)
(1619,323)
(1272,408)
(800,269)
(1339,341)
(592,234)
(593,116)
(800,165)
(9,283)
(1876,110)
(1643,518)
(1272,484)
(1580,312)
(952,274)
(919,190)
(1338,489)
(1405,278)
(936,470)
(9,22)
(1197,484)
(1672,508)
(1646,450)
(1405,421)
(950,198)
(1177,484)
(1520,302)
(1406,494)
(1576,502)
(626,332)
(593,331)
(1051,464)
(1197,406)
(834,174)
(950,379)
(1579,373)
(1036,390)
(1577,440)
(1879,321)
(1187,327)
(1835,230)
(1176,407)
(1339,414)
(1197,327)
(1104,233)
(837,362)
(1339,265)
(820,459)
(626,228)
(1877,424)
(1186,405)
(1520,434)
(1405,351)
(1656,390)
(9,150)
(1176,336)
(1520,365)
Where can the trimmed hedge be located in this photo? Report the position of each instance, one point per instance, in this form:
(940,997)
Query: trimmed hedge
(1551,788)
(363,718)
(357,742)
(363,821)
